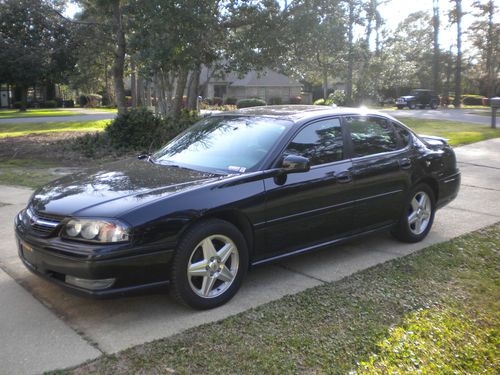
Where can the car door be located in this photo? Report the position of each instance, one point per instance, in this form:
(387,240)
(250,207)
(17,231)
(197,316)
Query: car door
(380,169)
(306,209)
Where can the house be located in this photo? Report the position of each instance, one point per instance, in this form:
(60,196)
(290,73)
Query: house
(267,84)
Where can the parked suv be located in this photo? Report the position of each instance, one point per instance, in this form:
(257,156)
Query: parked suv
(421,98)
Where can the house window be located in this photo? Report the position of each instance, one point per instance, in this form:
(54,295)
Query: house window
(220,91)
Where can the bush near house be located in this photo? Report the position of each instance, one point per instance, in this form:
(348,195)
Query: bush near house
(337,97)
(470,99)
(230,101)
(276,100)
(135,130)
(254,102)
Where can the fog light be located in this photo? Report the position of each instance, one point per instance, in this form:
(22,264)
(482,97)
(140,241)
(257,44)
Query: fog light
(89,284)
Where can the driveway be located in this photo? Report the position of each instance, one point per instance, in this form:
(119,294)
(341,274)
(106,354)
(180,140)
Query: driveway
(108,326)
(459,115)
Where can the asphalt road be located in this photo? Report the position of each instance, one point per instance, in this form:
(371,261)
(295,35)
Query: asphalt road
(460,115)
(93,327)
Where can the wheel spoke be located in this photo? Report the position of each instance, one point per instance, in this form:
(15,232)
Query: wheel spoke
(412,217)
(414,204)
(225,253)
(208,284)
(423,201)
(198,269)
(208,249)
(225,275)
(418,225)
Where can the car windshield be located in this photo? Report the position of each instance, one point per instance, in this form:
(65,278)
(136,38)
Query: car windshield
(227,143)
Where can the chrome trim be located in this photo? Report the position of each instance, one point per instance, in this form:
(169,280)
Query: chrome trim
(46,223)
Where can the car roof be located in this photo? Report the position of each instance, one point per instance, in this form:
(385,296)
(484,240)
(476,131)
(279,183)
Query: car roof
(298,113)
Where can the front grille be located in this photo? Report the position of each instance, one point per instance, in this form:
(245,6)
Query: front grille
(41,223)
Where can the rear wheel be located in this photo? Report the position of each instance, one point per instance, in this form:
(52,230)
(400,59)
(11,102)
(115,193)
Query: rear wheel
(210,264)
(434,104)
(400,107)
(412,105)
(417,218)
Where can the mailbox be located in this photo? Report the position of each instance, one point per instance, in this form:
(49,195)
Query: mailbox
(495,102)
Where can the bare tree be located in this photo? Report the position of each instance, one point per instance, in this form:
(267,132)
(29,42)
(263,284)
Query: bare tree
(456,17)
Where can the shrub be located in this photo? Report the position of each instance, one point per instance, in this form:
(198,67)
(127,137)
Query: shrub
(296,100)
(319,102)
(82,100)
(472,99)
(50,104)
(230,101)
(140,129)
(18,105)
(254,102)
(276,100)
(217,101)
(337,97)
(68,103)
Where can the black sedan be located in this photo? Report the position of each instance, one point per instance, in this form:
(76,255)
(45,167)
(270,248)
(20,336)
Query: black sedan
(233,191)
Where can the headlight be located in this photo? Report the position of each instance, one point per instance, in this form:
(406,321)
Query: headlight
(104,231)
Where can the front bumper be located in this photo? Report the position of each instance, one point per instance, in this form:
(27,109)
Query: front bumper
(134,270)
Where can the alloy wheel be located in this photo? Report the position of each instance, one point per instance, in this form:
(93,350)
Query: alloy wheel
(419,214)
(213,266)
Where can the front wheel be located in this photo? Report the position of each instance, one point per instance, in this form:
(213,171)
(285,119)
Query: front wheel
(417,218)
(210,264)
(412,105)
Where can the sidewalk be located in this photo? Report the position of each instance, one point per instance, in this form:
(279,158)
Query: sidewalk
(108,326)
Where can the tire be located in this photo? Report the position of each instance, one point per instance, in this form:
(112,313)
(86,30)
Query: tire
(400,107)
(217,254)
(434,105)
(414,225)
(412,105)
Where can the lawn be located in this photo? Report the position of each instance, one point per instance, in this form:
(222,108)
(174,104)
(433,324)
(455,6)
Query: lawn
(458,133)
(29,173)
(436,311)
(16,130)
(14,113)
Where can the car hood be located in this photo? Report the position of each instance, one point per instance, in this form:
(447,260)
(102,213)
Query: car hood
(115,188)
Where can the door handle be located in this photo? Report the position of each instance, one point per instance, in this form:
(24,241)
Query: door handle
(343,177)
(405,163)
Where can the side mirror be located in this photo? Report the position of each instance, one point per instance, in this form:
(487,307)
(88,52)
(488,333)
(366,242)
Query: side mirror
(295,164)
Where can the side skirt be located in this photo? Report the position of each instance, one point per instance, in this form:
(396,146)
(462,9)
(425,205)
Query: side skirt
(322,245)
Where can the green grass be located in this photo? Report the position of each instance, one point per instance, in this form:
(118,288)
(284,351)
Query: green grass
(433,312)
(29,173)
(102,109)
(16,130)
(458,133)
(14,113)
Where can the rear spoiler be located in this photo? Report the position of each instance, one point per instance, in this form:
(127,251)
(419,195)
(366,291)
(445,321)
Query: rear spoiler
(433,140)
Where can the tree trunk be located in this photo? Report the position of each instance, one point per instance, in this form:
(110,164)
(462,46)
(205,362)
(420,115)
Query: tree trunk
(193,88)
(179,92)
(24,98)
(119,61)
(350,56)
(458,72)
(133,86)
(435,56)
(325,83)
(489,52)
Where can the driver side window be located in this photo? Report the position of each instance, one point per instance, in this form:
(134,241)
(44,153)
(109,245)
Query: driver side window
(320,141)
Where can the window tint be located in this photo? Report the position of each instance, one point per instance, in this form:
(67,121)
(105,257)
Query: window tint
(321,142)
(403,134)
(371,135)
